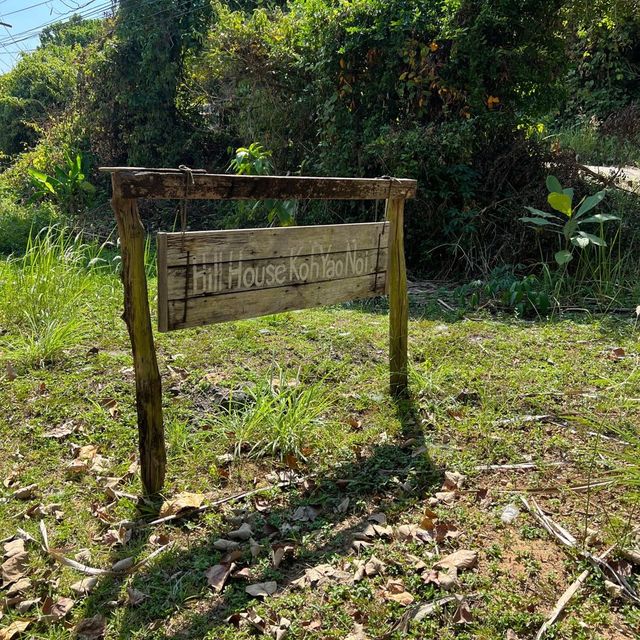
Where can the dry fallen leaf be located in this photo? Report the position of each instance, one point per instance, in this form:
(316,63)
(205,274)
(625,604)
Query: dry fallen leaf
(278,553)
(343,506)
(320,575)
(18,587)
(181,502)
(55,611)
(13,569)
(462,559)
(15,628)
(85,586)
(306,513)
(25,493)
(225,545)
(453,481)
(91,628)
(135,597)
(61,431)
(25,605)
(218,574)
(262,589)
(13,547)
(243,533)
(394,590)
(463,614)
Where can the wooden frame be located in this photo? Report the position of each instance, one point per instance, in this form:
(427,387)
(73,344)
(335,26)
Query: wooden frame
(131,183)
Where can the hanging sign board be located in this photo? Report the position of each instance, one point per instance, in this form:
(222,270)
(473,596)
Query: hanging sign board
(206,277)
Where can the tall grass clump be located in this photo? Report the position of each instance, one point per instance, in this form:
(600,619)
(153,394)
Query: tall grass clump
(44,296)
(277,417)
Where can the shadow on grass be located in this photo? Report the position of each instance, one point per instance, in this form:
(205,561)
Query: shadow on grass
(391,476)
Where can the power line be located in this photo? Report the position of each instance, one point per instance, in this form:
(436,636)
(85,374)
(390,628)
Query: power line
(32,6)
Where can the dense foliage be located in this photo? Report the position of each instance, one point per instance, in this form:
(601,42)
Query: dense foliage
(460,94)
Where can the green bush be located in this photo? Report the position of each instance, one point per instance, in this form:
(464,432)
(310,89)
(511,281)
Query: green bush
(19,222)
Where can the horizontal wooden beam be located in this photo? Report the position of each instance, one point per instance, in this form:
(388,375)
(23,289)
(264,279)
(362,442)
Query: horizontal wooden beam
(176,185)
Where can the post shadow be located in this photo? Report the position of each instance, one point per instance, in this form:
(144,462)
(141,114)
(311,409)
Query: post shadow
(380,476)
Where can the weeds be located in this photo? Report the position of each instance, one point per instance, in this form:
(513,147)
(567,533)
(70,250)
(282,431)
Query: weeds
(276,417)
(44,296)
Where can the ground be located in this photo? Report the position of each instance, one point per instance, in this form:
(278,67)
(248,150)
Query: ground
(484,391)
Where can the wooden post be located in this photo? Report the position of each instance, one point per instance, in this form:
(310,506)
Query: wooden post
(398,300)
(153,458)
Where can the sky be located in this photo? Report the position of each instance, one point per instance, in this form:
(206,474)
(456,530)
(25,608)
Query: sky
(27,17)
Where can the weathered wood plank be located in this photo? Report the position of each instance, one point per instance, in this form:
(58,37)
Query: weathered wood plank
(163,275)
(274,242)
(209,186)
(398,302)
(137,316)
(223,277)
(251,304)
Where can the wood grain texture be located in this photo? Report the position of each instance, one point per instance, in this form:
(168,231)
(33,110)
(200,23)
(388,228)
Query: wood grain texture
(274,242)
(251,304)
(137,316)
(398,302)
(140,183)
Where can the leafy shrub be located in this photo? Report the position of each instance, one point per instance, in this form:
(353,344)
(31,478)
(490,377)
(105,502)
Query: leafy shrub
(568,225)
(18,223)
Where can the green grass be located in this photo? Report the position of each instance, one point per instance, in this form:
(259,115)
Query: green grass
(317,399)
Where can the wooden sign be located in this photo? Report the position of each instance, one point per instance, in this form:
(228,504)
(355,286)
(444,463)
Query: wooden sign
(215,276)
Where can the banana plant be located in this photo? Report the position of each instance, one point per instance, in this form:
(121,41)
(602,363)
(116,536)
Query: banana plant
(65,185)
(568,219)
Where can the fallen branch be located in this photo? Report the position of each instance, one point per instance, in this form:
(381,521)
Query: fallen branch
(566,539)
(562,603)
(79,566)
(190,512)
(520,466)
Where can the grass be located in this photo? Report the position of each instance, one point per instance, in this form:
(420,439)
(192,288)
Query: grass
(316,402)
(45,296)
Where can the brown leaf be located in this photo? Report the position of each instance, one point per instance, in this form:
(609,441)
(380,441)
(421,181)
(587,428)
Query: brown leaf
(14,547)
(91,628)
(55,611)
(453,481)
(85,586)
(76,467)
(225,545)
(278,553)
(87,452)
(25,493)
(159,539)
(374,567)
(394,590)
(378,518)
(243,533)
(181,502)
(462,559)
(343,506)
(262,589)
(218,574)
(463,614)
(14,568)
(306,513)
(135,597)
(14,629)
(61,431)
(10,480)
(18,587)
(25,605)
